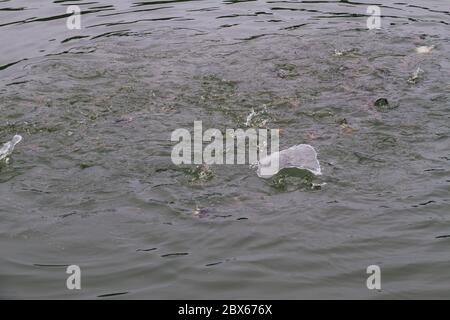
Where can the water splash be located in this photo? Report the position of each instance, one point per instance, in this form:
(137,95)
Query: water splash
(301,156)
(250,117)
(424,49)
(258,118)
(345,52)
(7,149)
(415,76)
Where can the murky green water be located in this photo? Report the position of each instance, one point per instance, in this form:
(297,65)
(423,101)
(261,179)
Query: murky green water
(92,183)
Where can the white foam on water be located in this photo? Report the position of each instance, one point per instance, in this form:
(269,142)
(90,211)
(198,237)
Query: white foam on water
(8,147)
(249,118)
(424,49)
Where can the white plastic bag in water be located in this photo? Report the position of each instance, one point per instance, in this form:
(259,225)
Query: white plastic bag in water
(301,156)
(8,147)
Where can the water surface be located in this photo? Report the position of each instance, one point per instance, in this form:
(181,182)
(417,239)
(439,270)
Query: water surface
(92,182)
